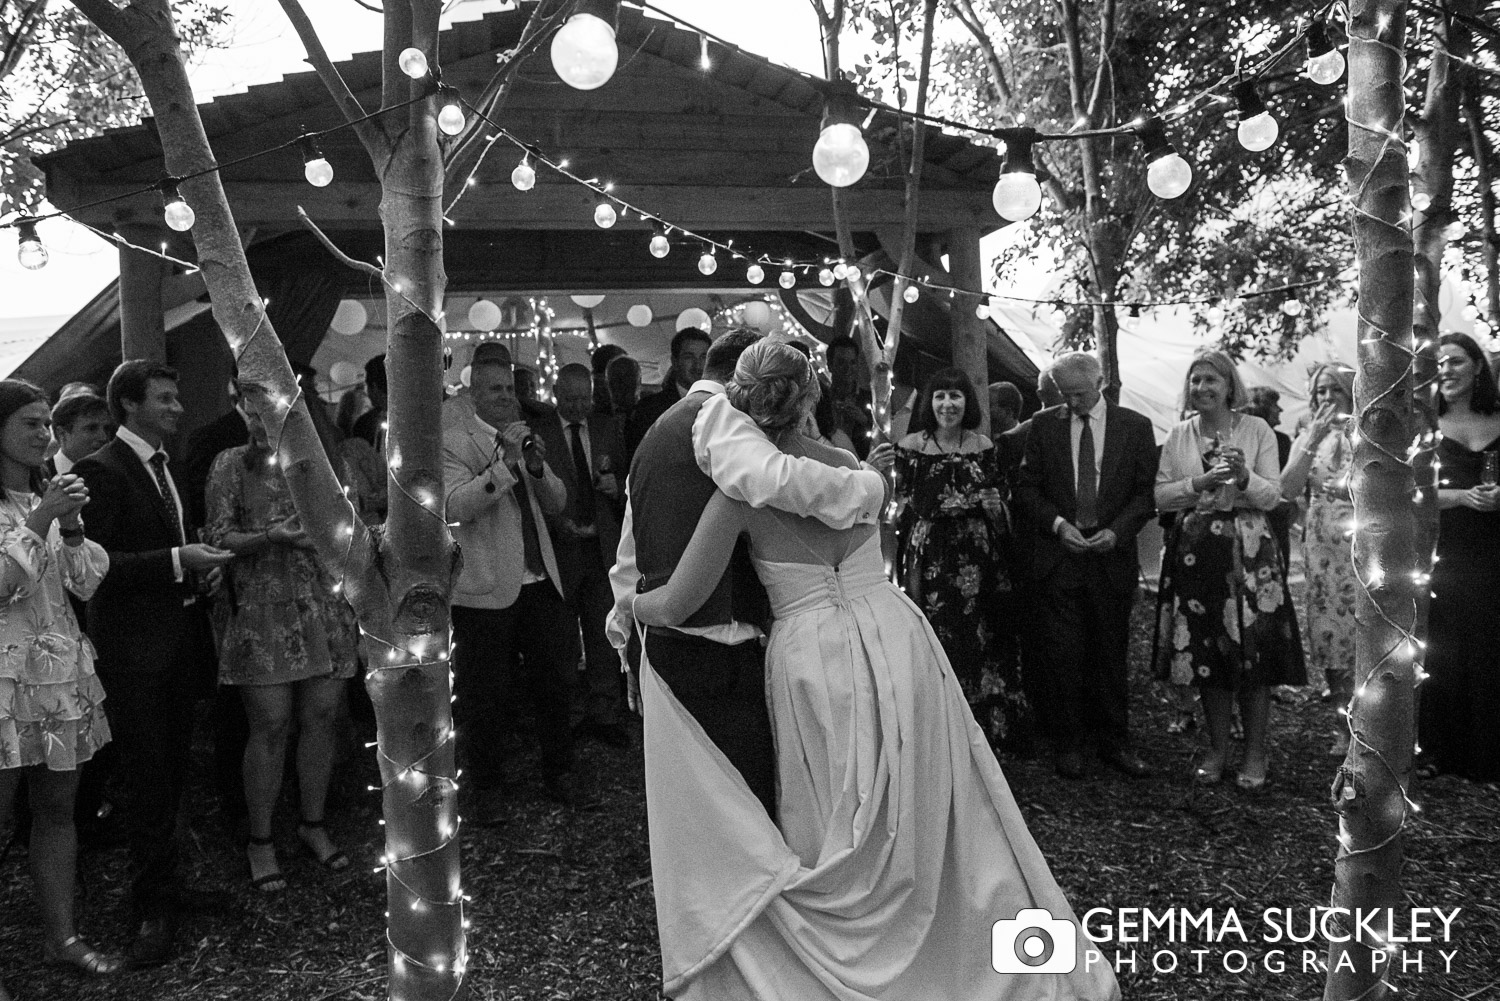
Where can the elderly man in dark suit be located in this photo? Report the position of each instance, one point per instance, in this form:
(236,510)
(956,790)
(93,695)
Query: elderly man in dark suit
(155,650)
(1086,488)
(589,458)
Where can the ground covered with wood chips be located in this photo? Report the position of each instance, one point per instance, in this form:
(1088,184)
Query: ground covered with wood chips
(562,905)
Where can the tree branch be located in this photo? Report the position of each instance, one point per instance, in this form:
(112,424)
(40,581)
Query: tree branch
(1107,24)
(106,17)
(333,249)
(372,135)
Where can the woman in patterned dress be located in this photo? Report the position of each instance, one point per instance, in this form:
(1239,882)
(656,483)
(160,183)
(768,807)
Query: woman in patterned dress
(51,712)
(289,645)
(1319,464)
(948,481)
(1226,613)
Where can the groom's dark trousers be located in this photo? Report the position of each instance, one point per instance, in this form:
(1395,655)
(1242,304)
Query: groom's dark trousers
(724,688)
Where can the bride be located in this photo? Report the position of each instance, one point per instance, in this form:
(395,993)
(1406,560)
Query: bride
(899,843)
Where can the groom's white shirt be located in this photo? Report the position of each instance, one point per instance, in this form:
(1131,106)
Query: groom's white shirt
(748,467)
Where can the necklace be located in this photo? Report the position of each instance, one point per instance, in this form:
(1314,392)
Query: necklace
(956,448)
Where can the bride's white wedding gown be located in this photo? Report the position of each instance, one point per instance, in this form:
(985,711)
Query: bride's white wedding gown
(899,842)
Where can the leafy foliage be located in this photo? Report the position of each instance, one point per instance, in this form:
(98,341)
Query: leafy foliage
(61,79)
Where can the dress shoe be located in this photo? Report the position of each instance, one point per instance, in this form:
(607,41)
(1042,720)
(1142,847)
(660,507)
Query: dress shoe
(1127,763)
(559,789)
(488,809)
(1070,765)
(153,943)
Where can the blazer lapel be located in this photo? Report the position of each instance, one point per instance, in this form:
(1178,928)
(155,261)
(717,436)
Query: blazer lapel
(1109,459)
(145,485)
(1063,420)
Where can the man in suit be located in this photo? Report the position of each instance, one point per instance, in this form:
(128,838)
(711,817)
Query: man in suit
(152,634)
(852,402)
(589,458)
(689,349)
(714,662)
(1086,487)
(511,628)
(82,426)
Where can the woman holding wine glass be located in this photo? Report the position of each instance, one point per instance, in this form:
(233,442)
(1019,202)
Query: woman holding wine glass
(1460,700)
(1225,620)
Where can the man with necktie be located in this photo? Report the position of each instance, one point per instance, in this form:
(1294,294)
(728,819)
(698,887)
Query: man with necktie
(1085,488)
(152,634)
(511,628)
(591,464)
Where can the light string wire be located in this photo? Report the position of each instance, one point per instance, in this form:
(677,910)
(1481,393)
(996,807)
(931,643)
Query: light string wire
(1408,643)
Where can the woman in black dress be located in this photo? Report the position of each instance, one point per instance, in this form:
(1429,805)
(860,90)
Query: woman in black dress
(1460,700)
(948,482)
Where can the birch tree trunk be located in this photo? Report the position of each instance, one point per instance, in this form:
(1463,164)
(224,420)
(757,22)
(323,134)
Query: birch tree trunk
(1369,788)
(398,579)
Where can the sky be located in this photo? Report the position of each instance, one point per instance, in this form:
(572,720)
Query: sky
(262,47)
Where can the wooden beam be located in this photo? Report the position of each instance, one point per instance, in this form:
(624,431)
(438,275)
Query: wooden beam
(557,206)
(970,333)
(143,333)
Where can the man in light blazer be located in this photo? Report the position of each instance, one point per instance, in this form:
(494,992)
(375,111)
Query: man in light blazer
(1086,490)
(588,455)
(512,631)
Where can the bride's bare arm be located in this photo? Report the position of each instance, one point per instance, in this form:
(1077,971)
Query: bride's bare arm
(700,568)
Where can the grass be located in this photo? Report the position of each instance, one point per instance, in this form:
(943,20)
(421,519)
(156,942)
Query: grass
(563,908)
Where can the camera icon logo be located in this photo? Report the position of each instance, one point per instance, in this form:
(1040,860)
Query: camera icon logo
(1034,942)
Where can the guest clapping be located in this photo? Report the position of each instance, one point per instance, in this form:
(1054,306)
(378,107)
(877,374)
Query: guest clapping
(51,712)
(1460,700)
(1225,606)
(289,645)
(1319,465)
(950,563)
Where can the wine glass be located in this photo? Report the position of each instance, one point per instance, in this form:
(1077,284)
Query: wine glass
(1491,475)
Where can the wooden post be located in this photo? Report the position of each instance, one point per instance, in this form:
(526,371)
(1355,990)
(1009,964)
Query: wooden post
(143,332)
(970,334)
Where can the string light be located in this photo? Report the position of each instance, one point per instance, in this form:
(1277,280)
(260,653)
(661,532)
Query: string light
(315,167)
(1017,195)
(911,293)
(825,277)
(660,246)
(584,52)
(30,251)
(1168,175)
(523,178)
(1257,130)
(604,215)
(1325,64)
(841,156)
(413,63)
(708,263)
(755,274)
(704,62)
(450,116)
(177,212)
(788,279)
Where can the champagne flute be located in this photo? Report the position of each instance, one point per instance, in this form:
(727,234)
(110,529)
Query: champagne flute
(1491,474)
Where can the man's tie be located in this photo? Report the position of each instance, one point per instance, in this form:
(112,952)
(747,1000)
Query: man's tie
(531,546)
(1088,478)
(583,477)
(158,463)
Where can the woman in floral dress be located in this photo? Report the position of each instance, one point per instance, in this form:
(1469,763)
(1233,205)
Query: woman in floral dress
(948,481)
(289,645)
(1319,465)
(51,702)
(1226,616)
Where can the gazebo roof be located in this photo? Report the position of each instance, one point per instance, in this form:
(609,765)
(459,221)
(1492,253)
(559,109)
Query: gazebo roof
(723,149)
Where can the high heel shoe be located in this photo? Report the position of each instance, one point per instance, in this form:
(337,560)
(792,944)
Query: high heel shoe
(76,954)
(270,882)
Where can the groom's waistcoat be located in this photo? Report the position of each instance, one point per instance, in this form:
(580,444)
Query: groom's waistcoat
(668,493)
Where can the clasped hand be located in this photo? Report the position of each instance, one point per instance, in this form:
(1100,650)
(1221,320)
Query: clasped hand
(289,532)
(65,496)
(1102,541)
(1483,499)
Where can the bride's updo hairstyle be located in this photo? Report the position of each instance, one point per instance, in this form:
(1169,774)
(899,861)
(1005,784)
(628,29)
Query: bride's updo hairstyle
(774,384)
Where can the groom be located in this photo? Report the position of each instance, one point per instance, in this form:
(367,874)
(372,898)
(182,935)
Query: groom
(714,663)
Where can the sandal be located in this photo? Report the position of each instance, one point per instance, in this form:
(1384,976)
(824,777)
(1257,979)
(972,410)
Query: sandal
(1249,784)
(76,954)
(333,861)
(270,882)
(1205,776)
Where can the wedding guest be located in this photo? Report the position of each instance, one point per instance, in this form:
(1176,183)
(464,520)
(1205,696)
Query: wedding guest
(689,348)
(512,629)
(852,401)
(51,702)
(1319,467)
(590,462)
(1086,489)
(599,361)
(527,389)
(950,559)
(823,423)
(1460,700)
(622,383)
(1265,403)
(153,637)
(1005,407)
(81,426)
(288,646)
(371,424)
(1225,607)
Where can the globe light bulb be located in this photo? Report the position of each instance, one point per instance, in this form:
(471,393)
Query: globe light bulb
(413,63)
(1327,68)
(319,172)
(584,52)
(825,277)
(1292,307)
(787,279)
(1455,231)
(982,310)
(911,293)
(30,252)
(840,156)
(1017,196)
(1258,132)
(524,176)
(840,271)
(851,273)
(178,213)
(1169,176)
(1421,201)
(660,246)
(451,118)
(755,274)
(708,263)
(604,215)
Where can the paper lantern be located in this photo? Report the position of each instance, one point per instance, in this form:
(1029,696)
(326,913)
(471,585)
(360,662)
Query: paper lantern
(350,318)
(484,315)
(639,315)
(693,317)
(587,301)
